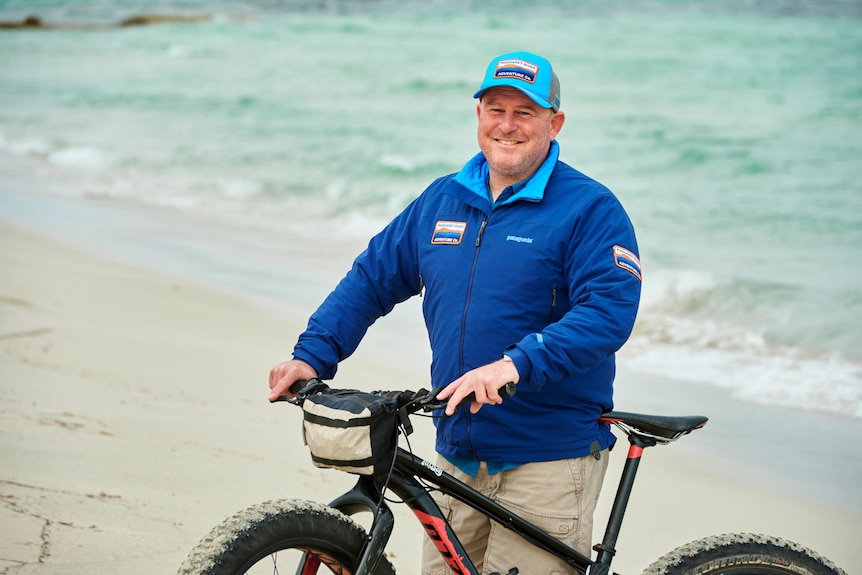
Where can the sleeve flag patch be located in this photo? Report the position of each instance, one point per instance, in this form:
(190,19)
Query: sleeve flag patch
(627,260)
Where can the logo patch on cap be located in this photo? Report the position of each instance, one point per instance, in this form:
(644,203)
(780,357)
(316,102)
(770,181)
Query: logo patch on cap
(446,232)
(516,68)
(628,261)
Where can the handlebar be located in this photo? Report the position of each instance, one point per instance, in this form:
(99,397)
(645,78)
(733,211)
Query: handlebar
(412,401)
(431,403)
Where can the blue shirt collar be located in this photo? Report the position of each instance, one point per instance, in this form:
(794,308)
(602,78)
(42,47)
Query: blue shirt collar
(474,177)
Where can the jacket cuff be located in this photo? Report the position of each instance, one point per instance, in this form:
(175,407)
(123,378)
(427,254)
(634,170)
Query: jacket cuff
(323,372)
(522,363)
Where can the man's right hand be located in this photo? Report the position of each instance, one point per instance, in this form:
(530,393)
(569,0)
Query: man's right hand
(285,374)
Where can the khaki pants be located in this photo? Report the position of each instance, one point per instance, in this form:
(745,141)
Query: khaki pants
(557,496)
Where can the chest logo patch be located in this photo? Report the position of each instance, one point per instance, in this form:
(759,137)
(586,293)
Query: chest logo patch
(627,260)
(446,232)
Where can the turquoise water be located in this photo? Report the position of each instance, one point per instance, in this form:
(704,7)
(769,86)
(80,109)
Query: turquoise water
(733,136)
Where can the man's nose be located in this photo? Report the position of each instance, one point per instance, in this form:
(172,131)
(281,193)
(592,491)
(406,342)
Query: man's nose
(507,123)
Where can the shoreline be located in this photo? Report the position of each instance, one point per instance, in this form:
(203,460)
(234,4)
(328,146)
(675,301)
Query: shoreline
(134,415)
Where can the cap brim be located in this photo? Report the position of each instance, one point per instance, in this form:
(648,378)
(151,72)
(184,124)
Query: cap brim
(540,101)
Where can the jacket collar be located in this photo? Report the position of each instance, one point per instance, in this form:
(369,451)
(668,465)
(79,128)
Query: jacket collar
(474,177)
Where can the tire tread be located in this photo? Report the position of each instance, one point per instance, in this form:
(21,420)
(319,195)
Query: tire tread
(711,555)
(231,538)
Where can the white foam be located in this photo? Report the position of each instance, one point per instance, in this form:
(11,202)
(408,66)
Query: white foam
(24,147)
(693,326)
(178,51)
(238,188)
(664,288)
(780,377)
(87,157)
(398,162)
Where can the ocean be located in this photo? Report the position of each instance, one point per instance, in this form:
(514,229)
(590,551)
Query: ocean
(732,133)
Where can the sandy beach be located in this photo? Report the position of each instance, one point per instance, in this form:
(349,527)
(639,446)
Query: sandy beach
(133,419)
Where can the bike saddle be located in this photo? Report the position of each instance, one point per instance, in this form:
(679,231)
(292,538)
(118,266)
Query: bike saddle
(663,427)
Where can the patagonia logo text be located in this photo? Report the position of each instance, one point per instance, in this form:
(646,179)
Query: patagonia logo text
(518,69)
(627,260)
(448,232)
(519,239)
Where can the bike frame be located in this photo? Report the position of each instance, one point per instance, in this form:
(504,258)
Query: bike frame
(406,480)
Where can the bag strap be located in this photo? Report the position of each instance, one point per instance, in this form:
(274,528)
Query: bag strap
(340,423)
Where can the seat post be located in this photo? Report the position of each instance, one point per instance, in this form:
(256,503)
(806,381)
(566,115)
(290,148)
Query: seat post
(607,548)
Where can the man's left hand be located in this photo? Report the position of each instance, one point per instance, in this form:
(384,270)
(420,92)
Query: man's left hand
(484,381)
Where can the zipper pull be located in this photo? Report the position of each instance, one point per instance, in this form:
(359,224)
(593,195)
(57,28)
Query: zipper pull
(481,231)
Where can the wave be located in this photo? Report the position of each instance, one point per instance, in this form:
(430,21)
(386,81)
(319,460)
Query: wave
(698,328)
(103,13)
(74,156)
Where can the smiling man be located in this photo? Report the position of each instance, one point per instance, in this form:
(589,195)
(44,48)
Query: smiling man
(530,275)
(515,134)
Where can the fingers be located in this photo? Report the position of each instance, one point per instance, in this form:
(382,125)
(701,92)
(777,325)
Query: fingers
(483,382)
(278,387)
(449,389)
(456,392)
(275,375)
(452,392)
(285,374)
(455,401)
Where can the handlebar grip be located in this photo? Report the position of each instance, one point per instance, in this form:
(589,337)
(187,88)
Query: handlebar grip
(297,385)
(507,390)
(295,388)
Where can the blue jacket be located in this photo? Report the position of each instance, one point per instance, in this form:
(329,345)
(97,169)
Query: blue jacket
(550,277)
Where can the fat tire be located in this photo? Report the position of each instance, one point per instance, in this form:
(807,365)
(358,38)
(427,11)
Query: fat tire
(251,534)
(743,554)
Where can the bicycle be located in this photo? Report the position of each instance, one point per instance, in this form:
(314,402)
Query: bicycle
(314,536)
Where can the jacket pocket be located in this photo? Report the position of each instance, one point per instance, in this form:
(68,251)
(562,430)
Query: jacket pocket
(553,308)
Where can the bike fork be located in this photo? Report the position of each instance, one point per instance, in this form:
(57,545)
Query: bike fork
(363,497)
(372,552)
(378,536)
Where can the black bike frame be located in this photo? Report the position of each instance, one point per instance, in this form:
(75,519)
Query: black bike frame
(408,474)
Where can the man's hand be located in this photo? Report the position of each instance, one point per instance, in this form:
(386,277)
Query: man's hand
(484,382)
(283,375)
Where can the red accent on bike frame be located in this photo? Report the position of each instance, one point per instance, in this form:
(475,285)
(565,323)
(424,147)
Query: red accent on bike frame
(312,563)
(438,531)
(635,452)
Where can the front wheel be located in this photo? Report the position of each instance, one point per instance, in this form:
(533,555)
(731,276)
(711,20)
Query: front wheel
(286,536)
(742,554)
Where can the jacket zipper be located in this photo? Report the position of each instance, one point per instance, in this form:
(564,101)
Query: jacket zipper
(464,327)
(469,294)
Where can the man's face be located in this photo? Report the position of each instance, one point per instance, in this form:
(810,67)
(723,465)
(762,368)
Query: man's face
(514,134)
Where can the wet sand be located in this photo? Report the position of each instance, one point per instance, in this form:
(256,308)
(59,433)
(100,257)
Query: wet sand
(133,417)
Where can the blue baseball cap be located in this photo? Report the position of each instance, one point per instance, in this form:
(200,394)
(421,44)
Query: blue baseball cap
(527,72)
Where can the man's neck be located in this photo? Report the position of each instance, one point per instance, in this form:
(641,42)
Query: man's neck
(496,187)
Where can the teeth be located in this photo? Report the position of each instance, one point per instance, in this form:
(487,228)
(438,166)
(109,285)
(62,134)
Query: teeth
(508,142)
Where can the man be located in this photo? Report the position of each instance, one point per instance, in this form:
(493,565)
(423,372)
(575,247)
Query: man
(529,273)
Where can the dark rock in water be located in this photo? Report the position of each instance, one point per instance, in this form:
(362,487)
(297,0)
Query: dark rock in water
(34,22)
(28,22)
(148,19)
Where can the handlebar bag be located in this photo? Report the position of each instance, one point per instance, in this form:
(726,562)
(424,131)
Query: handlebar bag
(350,430)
